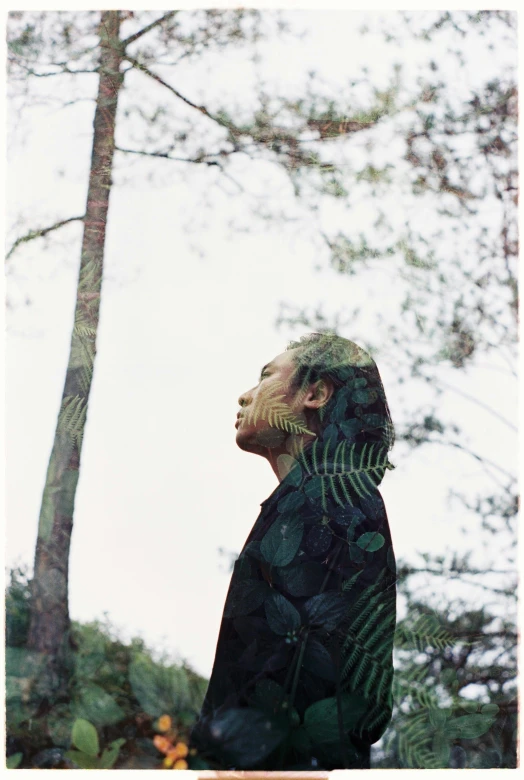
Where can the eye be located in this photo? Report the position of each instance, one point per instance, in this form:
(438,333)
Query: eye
(264,374)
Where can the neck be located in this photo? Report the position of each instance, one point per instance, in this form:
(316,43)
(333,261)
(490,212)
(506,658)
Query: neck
(290,449)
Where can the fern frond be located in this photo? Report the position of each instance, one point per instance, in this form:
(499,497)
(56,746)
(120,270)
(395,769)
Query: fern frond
(89,277)
(425,633)
(72,417)
(426,699)
(414,746)
(344,490)
(372,676)
(272,407)
(359,467)
(348,584)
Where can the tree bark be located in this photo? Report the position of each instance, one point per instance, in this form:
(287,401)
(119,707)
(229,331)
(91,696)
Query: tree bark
(49,617)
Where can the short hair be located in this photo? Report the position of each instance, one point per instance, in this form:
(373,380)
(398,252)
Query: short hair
(358,409)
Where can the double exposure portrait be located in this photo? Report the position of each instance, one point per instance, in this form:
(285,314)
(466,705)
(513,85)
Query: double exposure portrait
(261,390)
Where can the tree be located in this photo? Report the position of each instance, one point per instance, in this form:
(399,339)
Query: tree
(450,262)
(120,48)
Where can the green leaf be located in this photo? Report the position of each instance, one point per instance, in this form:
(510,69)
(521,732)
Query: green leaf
(321,718)
(326,609)
(244,597)
(280,544)
(97,706)
(245,736)
(281,614)
(318,660)
(14,760)
(84,737)
(83,760)
(351,427)
(437,717)
(291,502)
(361,396)
(313,488)
(370,541)
(117,743)
(468,726)
(441,748)
(109,757)
(305,579)
(242,568)
(294,477)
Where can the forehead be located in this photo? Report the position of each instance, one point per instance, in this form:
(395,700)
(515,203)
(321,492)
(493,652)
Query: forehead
(285,360)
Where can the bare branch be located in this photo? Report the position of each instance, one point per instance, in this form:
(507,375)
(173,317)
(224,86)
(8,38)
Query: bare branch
(479,403)
(203,110)
(64,70)
(166,156)
(41,232)
(484,461)
(147,28)
(457,576)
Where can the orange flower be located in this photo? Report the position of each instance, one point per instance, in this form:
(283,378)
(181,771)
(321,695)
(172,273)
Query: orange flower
(182,749)
(164,723)
(161,743)
(168,762)
(180,764)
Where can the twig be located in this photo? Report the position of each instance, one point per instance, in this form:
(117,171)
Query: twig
(479,403)
(167,156)
(147,28)
(41,232)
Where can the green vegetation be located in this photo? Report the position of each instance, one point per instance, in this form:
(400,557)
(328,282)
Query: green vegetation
(116,693)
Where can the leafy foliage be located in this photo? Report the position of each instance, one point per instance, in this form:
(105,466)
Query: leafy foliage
(115,695)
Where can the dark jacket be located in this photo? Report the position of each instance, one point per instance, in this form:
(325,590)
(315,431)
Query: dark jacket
(303,667)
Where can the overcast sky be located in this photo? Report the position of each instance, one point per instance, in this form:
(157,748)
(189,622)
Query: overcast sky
(187,320)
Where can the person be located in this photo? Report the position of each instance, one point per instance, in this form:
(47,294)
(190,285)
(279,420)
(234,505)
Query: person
(303,667)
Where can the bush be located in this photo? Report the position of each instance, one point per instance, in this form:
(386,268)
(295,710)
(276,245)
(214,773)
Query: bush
(116,687)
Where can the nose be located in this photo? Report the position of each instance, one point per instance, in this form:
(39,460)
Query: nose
(245,398)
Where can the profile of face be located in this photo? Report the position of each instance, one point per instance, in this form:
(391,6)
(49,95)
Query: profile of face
(275,416)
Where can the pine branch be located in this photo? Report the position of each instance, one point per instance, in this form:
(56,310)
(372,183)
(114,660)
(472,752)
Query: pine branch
(147,28)
(203,110)
(40,233)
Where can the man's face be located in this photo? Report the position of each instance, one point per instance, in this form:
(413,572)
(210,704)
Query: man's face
(272,409)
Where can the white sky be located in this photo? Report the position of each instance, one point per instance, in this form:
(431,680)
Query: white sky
(162,483)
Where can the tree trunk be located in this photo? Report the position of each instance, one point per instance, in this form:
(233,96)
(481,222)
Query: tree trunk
(49,620)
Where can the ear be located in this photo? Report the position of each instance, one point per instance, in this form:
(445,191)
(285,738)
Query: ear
(319,393)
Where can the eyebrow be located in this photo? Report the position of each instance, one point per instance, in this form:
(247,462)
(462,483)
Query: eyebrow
(268,365)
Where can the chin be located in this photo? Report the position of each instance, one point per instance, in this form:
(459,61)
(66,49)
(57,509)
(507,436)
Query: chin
(260,441)
(244,441)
